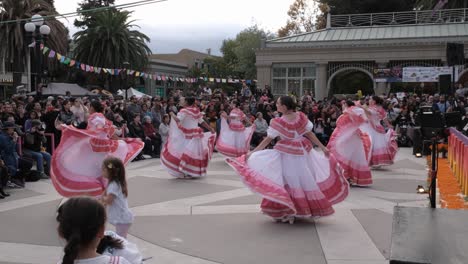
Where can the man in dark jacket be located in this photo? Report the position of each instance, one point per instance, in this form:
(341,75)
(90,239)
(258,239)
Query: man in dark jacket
(33,146)
(8,141)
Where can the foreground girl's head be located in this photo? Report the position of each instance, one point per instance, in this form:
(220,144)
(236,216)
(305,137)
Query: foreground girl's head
(81,223)
(285,103)
(114,170)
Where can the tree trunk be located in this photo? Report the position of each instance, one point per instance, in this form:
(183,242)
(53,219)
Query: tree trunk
(18,69)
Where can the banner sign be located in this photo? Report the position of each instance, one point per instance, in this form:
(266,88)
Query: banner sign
(425,74)
(388,75)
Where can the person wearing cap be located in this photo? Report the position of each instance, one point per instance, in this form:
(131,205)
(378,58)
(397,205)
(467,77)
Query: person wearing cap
(33,146)
(8,140)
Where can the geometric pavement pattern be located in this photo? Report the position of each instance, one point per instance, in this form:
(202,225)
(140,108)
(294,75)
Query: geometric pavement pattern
(216,219)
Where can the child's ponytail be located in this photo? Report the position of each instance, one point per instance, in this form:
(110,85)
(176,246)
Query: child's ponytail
(72,248)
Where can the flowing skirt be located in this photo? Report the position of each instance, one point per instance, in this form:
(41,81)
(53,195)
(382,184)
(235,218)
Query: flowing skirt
(187,156)
(293,185)
(76,167)
(233,143)
(352,149)
(384,145)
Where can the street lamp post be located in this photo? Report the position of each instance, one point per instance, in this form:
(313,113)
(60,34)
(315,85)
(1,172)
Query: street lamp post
(37,32)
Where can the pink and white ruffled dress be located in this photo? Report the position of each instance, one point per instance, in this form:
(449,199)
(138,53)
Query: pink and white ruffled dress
(384,144)
(352,147)
(76,167)
(234,138)
(293,178)
(188,150)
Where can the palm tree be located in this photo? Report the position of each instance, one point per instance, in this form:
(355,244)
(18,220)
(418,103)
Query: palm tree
(13,46)
(110,40)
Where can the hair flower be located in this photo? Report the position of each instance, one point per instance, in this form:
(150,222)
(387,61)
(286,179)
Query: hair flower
(110,166)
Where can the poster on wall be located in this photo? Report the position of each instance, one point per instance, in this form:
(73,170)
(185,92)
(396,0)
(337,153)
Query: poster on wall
(388,75)
(426,74)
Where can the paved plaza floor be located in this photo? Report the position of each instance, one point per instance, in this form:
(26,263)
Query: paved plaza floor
(217,220)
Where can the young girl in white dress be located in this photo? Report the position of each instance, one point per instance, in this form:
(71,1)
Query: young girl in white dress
(82,223)
(115,197)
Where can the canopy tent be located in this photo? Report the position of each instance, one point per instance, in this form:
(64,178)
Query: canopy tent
(132,92)
(63,88)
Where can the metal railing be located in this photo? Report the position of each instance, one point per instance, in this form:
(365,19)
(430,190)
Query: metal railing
(401,18)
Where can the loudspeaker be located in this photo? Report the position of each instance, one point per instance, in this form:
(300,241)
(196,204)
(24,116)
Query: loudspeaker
(445,84)
(453,119)
(455,54)
(432,120)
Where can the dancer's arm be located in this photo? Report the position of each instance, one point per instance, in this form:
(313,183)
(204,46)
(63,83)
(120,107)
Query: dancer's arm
(174,117)
(107,199)
(260,146)
(205,125)
(311,136)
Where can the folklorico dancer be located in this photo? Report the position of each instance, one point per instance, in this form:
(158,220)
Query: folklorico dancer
(384,144)
(188,150)
(234,138)
(294,179)
(351,146)
(77,162)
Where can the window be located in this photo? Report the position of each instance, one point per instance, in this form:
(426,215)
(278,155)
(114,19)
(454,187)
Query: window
(293,78)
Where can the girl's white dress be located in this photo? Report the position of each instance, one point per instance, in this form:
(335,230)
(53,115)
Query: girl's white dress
(234,138)
(118,212)
(129,251)
(188,150)
(384,144)
(352,147)
(293,178)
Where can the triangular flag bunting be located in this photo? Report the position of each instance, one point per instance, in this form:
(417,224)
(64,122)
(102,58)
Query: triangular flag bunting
(42,46)
(52,54)
(59,56)
(44,51)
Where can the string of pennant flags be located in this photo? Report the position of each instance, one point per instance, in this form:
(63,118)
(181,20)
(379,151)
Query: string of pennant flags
(51,54)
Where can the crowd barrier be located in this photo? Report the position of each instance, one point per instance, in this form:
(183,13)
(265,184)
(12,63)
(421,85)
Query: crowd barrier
(458,157)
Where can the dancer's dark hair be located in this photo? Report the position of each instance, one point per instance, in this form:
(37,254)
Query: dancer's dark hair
(109,242)
(80,220)
(288,102)
(378,100)
(350,103)
(97,106)
(190,100)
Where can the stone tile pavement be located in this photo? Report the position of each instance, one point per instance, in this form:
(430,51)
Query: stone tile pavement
(217,220)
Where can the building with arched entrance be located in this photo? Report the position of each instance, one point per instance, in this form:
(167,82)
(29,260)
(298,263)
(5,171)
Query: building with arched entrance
(356,46)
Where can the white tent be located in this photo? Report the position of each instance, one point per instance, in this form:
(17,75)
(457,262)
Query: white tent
(132,92)
(63,88)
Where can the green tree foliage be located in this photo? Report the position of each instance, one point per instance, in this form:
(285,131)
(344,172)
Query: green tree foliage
(86,18)
(13,42)
(301,18)
(239,53)
(307,15)
(110,40)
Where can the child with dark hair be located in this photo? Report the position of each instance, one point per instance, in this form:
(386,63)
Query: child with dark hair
(114,245)
(115,197)
(82,223)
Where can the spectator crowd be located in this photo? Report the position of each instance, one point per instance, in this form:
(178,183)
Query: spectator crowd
(30,127)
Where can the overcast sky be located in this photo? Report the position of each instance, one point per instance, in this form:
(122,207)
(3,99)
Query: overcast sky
(196,24)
